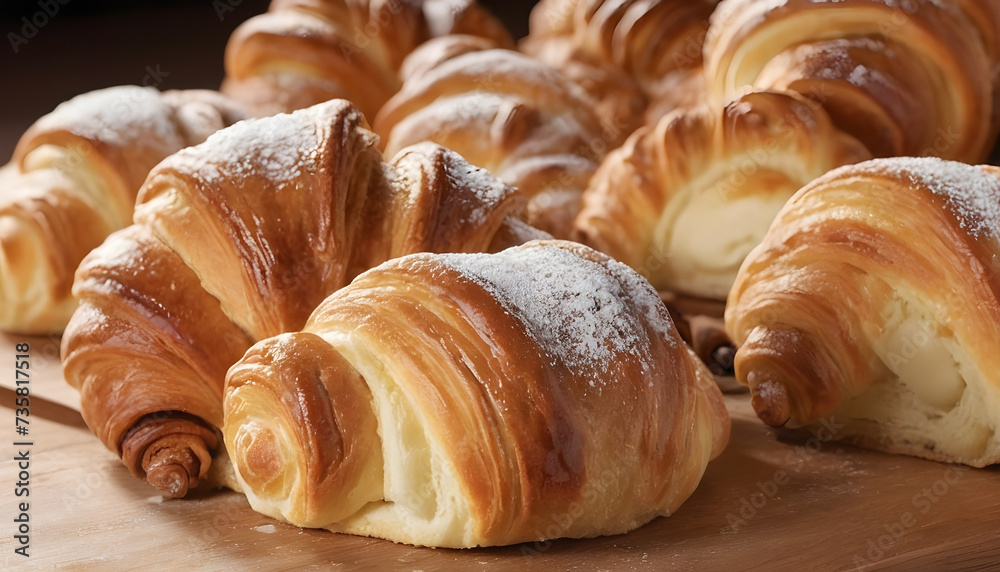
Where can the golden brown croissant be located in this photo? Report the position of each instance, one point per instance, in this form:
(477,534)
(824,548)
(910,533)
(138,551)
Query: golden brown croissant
(685,200)
(239,239)
(651,41)
(874,301)
(465,400)
(986,15)
(904,78)
(619,102)
(435,52)
(507,113)
(304,52)
(73,180)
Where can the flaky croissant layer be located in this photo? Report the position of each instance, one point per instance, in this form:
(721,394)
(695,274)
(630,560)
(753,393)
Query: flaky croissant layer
(874,300)
(304,52)
(905,78)
(468,400)
(686,199)
(239,239)
(73,180)
(625,53)
(524,122)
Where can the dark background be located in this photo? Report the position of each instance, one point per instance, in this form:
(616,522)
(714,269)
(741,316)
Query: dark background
(90,44)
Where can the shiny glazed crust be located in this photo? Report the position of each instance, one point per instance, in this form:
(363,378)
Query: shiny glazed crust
(874,300)
(239,239)
(304,52)
(507,113)
(907,79)
(684,200)
(466,400)
(627,52)
(73,180)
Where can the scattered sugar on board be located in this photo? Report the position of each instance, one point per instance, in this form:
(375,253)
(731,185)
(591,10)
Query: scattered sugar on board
(266,528)
(972,194)
(577,309)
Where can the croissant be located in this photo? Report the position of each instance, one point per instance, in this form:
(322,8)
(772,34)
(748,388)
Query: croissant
(435,52)
(873,303)
(506,113)
(906,79)
(986,15)
(685,200)
(464,400)
(304,52)
(237,240)
(619,101)
(73,179)
(651,42)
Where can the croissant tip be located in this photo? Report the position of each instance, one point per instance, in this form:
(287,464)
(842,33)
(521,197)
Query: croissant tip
(770,401)
(172,480)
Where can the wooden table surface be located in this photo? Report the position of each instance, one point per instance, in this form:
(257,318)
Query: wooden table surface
(770,502)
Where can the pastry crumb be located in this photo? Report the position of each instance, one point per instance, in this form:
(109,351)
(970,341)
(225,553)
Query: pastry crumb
(265,528)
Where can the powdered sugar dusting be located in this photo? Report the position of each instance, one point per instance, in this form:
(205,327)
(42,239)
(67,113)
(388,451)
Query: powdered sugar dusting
(279,148)
(487,189)
(583,312)
(646,298)
(972,194)
(117,116)
(481,191)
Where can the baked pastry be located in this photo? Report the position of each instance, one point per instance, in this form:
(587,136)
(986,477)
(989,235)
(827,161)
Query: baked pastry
(239,239)
(619,102)
(685,200)
(682,90)
(628,52)
(906,79)
(873,301)
(304,52)
(73,179)
(461,400)
(507,113)
(435,52)
(986,16)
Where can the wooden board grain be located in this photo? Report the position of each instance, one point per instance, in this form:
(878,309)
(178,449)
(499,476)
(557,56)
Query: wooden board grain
(46,369)
(792,503)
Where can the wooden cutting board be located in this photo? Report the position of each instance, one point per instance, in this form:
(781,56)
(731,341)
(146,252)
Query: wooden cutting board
(770,502)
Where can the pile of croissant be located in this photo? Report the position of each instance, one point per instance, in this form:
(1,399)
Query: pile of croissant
(407,283)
